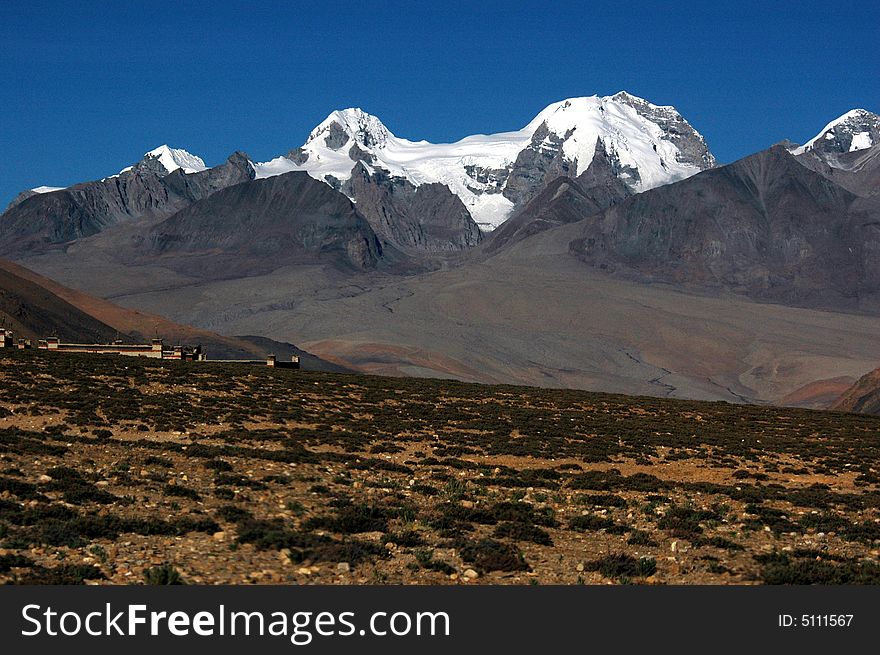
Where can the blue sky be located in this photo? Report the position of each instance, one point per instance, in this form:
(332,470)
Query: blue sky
(89,86)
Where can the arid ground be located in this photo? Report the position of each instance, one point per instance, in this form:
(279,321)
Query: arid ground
(116,470)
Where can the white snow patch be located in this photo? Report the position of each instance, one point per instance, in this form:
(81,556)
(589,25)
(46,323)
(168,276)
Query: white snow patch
(277,166)
(47,189)
(861,141)
(174,158)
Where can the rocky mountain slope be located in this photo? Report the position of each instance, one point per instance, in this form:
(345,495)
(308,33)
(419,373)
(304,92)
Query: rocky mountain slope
(258,226)
(529,314)
(147,190)
(426,218)
(764,226)
(565,200)
(35,307)
(863,397)
(32,311)
(857,129)
(857,171)
(847,151)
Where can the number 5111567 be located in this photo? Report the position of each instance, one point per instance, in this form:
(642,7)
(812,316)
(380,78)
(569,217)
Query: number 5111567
(815,620)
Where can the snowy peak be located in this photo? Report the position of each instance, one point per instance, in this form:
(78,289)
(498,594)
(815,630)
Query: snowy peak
(655,143)
(647,145)
(353,124)
(173,158)
(857,129)
(676,129)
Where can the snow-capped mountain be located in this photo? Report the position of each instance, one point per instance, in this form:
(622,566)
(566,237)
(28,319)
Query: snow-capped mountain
(161,160)
(648,146)
(170,159)
(846,151)
(174,158)
(857,129)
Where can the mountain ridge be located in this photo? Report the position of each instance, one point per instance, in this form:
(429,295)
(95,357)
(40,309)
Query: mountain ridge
(495,174)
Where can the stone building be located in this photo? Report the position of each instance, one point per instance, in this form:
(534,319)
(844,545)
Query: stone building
(154,350)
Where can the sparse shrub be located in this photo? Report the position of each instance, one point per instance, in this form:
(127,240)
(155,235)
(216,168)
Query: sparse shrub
(717,542)
(780,569)
(218,465)
(233,514)
(425,559)
(405,538)
(621,566)
(684,522)
(601,500)
(11,560)
(235,480)
(490,555)
(590,523)
(424,489)
(275,534)
(523,532)
(65,574)
(640,538)
(76,489)
(165,574)
(181,492)
(351,520)
(523,513)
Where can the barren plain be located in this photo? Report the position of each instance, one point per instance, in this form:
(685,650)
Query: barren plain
(118,470)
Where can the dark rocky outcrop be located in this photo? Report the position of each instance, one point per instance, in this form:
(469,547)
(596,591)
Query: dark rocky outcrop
(536,165)
(764,226)
(428,217)
(565,201)
(858,171)
(260,225)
